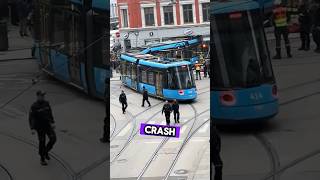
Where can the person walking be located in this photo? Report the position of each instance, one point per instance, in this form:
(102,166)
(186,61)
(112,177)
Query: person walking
(123,101)
(175,109)
(145,96)
(216,148)
(41,121)
(23,12)
(198,71)
(305,27)
(280,21)
(316,26)
(167,109)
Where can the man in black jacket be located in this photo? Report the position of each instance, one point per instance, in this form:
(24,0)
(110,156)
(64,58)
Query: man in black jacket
(145,97)
(123,101)
(176,113)
(41,121)
(167,111)
(316,25)
(305,27)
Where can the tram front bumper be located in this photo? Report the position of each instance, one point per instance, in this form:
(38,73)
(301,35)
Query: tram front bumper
(245,113)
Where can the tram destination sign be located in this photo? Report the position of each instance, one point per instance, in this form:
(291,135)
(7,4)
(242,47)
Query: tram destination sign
(159,130)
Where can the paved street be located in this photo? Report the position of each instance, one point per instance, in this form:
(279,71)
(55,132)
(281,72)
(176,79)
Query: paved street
(133,156)
(288,145)
(78,152)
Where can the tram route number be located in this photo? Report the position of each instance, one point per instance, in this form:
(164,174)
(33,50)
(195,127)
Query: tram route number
(159,130)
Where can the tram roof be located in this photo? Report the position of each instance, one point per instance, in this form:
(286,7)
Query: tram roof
(170,45)
(233,6)
(152,61)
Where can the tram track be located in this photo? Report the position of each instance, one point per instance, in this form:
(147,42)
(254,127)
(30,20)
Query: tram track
(163,142)
(7,172)
(166,139)
(276,168)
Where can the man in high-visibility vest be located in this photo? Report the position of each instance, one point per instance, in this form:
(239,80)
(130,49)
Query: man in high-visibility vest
(280,21)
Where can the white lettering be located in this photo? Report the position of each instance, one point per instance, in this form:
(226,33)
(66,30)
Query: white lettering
(147,129)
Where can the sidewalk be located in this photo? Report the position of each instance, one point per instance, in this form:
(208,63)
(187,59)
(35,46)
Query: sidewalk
(19,47)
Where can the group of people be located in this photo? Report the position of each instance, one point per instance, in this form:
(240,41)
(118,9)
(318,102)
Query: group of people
(206,69)
(309,20)
(21,14)
(167,109)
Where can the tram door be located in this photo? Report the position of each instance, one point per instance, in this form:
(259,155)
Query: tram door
(159,83)
(45,42)
(75,35)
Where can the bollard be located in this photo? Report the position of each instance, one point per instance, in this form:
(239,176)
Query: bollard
(4,44)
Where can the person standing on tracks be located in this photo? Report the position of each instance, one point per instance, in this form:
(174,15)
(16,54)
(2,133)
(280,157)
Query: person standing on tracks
(167,111)
(305,27)
(316,26)
(145,96)
(41,121)
(23,12)
(198,70)
(216,148)
(123,101)
(175,109)
(280,21)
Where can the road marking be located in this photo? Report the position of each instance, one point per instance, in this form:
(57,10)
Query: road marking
(204,128)
(125,130)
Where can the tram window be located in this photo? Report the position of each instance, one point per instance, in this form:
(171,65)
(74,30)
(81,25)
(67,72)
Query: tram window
(150,78)
(180,78)
(144,78)
(239,52)
(263,50)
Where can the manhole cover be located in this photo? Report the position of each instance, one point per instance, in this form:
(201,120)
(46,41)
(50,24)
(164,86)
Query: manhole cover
(114,146)
(181,171)
(122,160)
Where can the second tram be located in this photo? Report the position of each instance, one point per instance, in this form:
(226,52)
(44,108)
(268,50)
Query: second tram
(243,88)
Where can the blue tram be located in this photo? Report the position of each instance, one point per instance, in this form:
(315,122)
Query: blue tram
(162,77)
(243,88)
(185,49)
(71,42)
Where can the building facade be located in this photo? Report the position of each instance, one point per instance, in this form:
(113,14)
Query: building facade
(147,21)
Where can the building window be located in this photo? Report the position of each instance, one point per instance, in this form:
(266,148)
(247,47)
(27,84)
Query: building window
(124,18)
(168,15)
(149,16)
(206,12)
(187,13)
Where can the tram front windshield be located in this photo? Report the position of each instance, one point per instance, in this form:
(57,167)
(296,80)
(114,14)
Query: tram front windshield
(180,77)
(241,58)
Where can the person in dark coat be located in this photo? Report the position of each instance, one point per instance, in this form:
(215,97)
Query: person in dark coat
(316,26)
(176,113)
(167,109)
(23,9)
(123,101)
(215,149)
(145,97)
(14,12)
(41,121)
(305,27)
